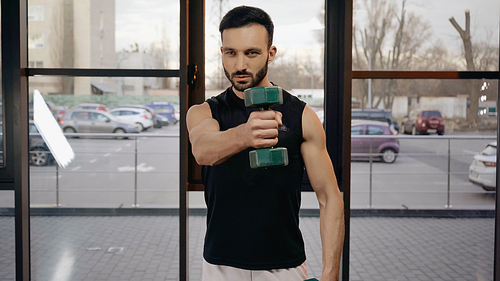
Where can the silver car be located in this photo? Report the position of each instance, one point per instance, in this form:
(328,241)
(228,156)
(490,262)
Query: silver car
(94,121)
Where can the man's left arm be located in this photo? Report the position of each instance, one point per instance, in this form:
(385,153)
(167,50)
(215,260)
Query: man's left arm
(322,177)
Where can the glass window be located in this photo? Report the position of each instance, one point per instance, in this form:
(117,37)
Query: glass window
(98,116)
(104,34)
(7,236)
(1,145)
(117,113)
(298,36)
(419,178)
(377,116)
(428,113)
(374,130)
(359,115)
(109,173)
(356,130)
(420,35)
(490,150)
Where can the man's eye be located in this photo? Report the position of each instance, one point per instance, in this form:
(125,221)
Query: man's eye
(229,53)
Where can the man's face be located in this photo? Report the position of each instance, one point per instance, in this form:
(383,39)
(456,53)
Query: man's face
(245,55)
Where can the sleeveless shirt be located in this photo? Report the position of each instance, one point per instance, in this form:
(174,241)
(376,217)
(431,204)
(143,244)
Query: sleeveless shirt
(253,214)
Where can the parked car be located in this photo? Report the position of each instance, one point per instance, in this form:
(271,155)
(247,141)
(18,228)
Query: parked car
(39,151)
(50,106)
(483,169)
(374,115)
(165,109)
(425,122)
(91,106)
(61,110)
(385,149)
(142,119)
(94,121)
(156,122)
(162,120)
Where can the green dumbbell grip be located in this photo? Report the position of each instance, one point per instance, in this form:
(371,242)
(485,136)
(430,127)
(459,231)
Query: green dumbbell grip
(263,96)
(268,157)
(311,279)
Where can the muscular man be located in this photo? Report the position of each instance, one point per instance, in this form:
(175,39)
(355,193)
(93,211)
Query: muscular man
(253,214)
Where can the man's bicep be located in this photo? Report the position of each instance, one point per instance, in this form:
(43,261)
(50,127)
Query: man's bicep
(316,159)
(199,120)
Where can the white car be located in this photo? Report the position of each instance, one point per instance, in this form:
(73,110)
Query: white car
(142,119)
(483,169)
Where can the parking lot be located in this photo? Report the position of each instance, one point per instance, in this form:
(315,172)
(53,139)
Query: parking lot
(103,175)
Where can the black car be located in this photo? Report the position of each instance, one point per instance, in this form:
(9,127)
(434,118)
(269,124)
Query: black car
(39,151)
(375,115)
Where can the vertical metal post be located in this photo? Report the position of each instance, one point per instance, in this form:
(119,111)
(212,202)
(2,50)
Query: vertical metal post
(496,251)
(338,95)
(135,175)
(183,99)
(57,185)
(448,205)
(371,174)
(14,22)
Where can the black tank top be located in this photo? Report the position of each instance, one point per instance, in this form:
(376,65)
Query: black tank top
(253,214)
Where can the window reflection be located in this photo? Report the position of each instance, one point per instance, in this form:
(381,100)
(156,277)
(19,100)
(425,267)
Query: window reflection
(7,236)
(425,35)
(102,34)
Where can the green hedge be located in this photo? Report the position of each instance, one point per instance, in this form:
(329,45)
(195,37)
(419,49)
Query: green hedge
(109,101)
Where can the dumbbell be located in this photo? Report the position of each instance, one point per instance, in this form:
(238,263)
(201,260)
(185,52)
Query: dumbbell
(263,98)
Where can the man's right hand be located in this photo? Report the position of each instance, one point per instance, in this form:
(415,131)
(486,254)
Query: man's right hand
(261,129)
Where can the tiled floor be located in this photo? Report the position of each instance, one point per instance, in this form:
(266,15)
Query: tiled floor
(146,248)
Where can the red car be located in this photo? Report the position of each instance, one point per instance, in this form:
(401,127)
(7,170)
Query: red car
(425,122)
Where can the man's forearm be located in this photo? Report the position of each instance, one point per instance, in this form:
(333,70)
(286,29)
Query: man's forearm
(332,237)
(214,147)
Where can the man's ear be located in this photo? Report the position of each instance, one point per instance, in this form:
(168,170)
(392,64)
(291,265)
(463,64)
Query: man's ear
(221,49)
(272,54)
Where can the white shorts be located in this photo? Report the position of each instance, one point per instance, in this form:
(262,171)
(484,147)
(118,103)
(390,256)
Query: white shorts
(212,272)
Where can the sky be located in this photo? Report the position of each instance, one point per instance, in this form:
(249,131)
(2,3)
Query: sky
(296,22)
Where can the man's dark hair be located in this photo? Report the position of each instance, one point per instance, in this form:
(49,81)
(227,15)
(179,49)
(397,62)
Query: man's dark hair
(245,15)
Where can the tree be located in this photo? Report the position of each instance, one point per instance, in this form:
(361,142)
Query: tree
(480,53)
(409,32)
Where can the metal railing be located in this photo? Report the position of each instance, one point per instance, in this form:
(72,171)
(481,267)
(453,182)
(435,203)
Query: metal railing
(371,156)
(117,136)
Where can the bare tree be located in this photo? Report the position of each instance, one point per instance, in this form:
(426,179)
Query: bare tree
(290,72)
(409,32)
(379,17)
(472,116)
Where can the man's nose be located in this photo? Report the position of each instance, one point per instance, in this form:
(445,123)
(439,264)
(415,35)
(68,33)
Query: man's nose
(241,63)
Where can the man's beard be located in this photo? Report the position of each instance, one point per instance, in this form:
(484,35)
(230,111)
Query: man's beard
(254,80)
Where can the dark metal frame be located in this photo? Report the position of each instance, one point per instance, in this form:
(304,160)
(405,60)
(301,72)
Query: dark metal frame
(338,79)
(338,92)
(15,174)
(462,75)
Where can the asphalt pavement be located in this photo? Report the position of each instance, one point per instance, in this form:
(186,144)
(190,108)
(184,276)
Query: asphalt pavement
(103,175)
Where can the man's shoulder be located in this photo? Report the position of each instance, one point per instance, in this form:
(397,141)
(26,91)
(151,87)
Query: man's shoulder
(292,102)
(220,98)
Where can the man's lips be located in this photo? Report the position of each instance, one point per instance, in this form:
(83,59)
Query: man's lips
(241,76)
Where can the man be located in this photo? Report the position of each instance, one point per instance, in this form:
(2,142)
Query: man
(252,221)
